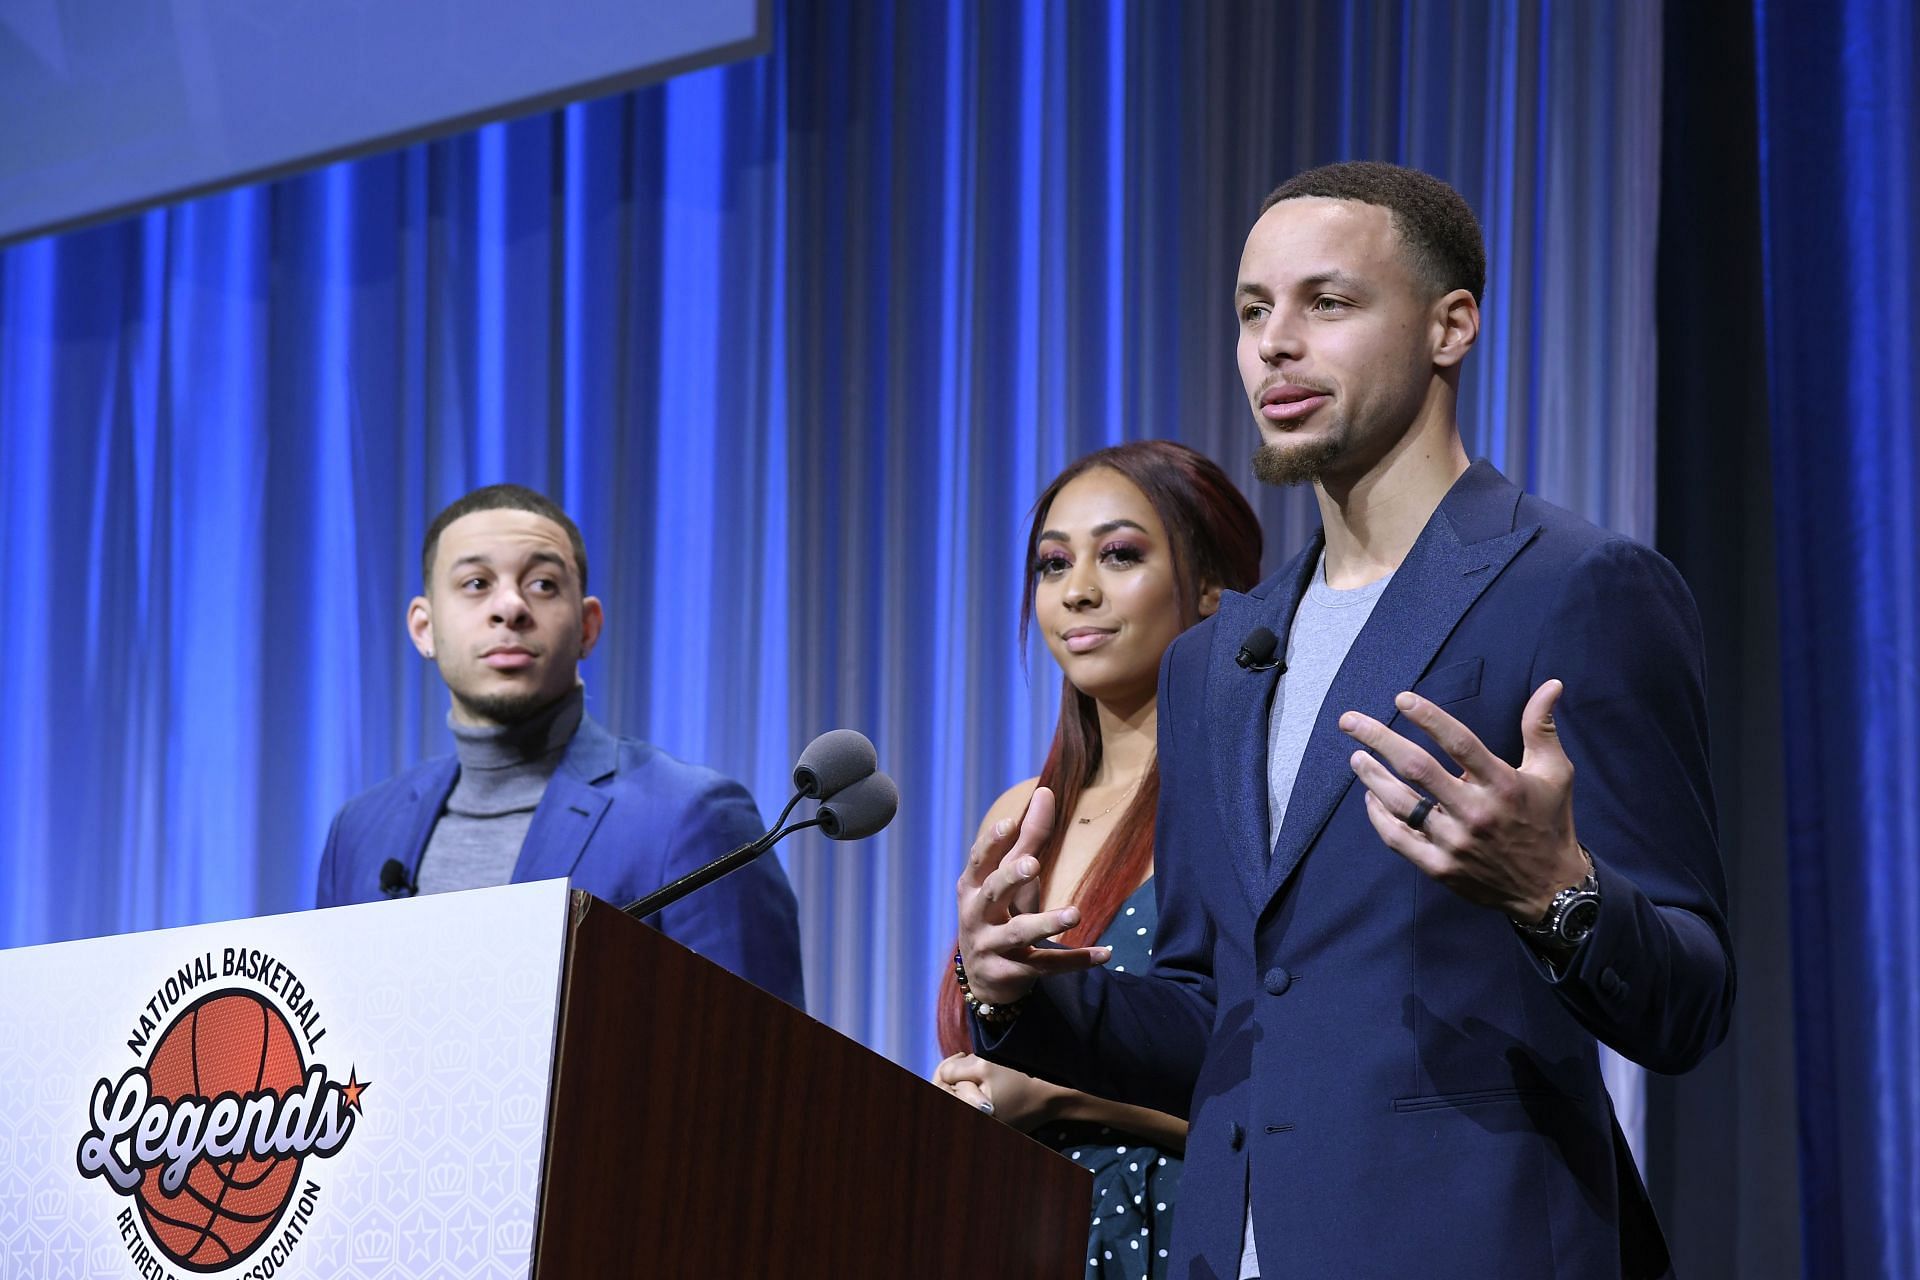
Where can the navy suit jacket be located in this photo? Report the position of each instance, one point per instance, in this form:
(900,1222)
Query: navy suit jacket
(620,818)
(1386,1070)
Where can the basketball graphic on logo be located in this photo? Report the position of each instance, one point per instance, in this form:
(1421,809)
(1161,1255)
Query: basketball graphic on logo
(231,1042)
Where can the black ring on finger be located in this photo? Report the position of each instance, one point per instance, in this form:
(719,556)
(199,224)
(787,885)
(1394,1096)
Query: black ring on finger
(1417,818)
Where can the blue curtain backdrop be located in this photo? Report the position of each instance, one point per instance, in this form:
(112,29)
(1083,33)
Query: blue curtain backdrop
(1840,114)
(797,341)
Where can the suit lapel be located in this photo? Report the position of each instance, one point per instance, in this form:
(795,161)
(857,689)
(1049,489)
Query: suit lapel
(1466,544)
(430,791)
(571,808)
(1238,703)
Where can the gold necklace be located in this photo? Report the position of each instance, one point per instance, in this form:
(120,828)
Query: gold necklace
(1110,808)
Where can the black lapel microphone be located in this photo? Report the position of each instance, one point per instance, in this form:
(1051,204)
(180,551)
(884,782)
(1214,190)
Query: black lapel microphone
(1256,654)
(394,882)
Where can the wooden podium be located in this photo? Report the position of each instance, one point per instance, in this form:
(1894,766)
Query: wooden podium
(700,1127)
(485,1085)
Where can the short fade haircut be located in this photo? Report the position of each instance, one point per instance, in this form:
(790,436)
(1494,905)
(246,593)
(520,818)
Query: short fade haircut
(501,497)
(1434,221)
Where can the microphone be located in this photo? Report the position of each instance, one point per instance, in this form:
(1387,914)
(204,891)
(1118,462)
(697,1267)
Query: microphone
(393,880)
(833,761)
(1256,654)
(841,770)
(861,809)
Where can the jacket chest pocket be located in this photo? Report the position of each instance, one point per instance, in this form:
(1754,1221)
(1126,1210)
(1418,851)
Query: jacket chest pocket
(1455,682)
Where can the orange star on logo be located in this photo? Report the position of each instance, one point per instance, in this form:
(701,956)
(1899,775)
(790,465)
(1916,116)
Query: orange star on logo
(352,1088)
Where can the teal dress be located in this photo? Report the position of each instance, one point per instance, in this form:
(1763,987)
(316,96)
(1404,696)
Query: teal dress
(1135,1184)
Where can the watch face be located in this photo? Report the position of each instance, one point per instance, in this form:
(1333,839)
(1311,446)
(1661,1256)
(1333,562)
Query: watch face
(1579,918)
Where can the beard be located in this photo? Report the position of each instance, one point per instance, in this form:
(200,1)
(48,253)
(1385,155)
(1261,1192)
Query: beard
(510,708)
(1298,463)
(507,708)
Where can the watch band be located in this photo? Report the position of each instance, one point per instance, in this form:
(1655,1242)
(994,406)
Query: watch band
(1569,919)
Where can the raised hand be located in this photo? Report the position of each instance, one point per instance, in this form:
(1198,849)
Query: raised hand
(999,921)
(1496,835)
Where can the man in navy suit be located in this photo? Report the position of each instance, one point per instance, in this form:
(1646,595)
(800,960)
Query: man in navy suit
(537,789)
(1379,1005)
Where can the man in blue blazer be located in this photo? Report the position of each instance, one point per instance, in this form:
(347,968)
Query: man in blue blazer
(1379,1005)
(537,789)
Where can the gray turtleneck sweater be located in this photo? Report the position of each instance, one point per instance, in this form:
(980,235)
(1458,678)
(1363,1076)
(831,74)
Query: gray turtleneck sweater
(503,773)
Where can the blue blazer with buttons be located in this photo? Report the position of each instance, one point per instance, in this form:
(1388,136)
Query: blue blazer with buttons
(620,818)
(1385,1071)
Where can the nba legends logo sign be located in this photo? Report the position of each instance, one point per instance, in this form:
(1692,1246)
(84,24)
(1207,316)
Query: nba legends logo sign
(208,1132)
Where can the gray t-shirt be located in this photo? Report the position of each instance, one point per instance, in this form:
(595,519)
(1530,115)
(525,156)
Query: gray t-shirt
(503,773)
(1324,629)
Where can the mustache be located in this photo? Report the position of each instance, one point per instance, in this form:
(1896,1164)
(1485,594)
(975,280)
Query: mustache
(1288,380)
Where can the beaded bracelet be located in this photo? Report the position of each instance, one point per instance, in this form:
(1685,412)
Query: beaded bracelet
(994,1015)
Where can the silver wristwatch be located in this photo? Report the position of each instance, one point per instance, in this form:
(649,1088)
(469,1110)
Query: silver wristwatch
(1570,918)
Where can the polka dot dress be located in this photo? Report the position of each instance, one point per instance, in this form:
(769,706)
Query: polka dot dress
(1135,1184)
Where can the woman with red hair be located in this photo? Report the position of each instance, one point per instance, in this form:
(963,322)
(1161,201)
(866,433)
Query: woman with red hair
(1129,546)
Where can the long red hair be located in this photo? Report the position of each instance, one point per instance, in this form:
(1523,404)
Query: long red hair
(1214,540)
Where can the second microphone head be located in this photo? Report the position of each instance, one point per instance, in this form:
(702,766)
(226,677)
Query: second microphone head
(861,809)
(833,761)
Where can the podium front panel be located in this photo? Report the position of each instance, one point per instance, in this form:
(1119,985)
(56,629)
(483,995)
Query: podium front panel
(356,1091)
